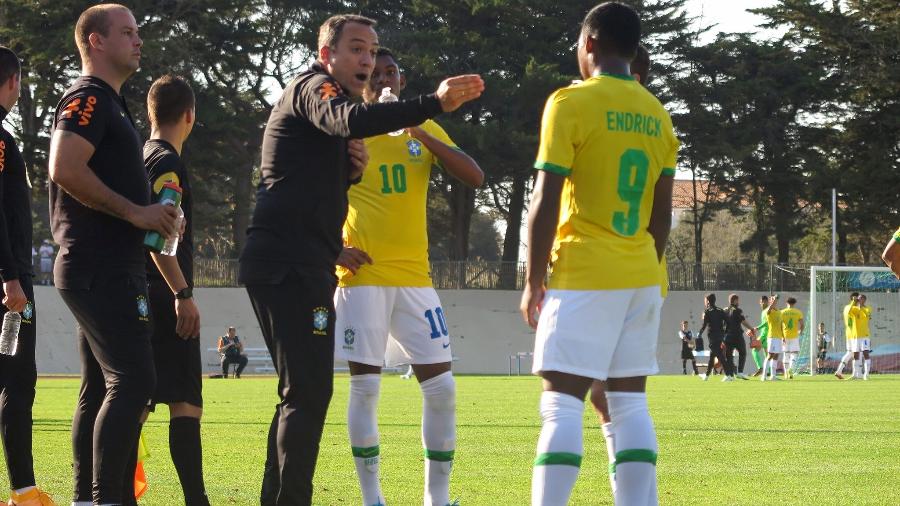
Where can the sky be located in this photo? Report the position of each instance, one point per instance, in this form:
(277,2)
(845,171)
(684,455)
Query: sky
(728,15)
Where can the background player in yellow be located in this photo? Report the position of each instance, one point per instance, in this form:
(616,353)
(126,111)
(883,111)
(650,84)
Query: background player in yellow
(792,327)
(775,343)
(862,314)
(601,211)
(850,337)
(385,290)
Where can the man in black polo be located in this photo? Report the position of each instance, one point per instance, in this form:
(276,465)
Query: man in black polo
(99,212)
(714,318)
(18,372)
(312,152)
(735,323)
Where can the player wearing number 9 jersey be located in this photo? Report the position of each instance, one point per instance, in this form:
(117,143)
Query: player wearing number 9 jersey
(385,292)
(600,214)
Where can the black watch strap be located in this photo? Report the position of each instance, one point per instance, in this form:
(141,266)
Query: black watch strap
(184,293)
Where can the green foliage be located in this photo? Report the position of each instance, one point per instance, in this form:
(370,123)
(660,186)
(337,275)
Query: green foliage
(712,438)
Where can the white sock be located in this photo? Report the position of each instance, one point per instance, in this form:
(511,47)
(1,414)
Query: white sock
(636,448)
(765,367)
(867,366)
(438,436)
(611,453)
(855,367)
(559,449)
(792,361)
(786,361)
(20,491)
(362,424)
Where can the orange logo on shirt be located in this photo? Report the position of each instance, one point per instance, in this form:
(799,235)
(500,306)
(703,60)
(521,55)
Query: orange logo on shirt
(329,91)
(74,108)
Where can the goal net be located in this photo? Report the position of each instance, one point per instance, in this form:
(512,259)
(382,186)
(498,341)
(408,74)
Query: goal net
(829,292)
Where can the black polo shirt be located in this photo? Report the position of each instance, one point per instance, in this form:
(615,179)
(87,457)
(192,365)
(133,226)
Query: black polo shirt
(714,319)
(92,241)
(15,209)
(734,318)
(164,165)
(301,202)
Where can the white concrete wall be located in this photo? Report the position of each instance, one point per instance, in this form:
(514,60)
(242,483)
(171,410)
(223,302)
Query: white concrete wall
(485,326)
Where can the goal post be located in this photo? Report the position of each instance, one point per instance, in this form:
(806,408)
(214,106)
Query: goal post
(829,291)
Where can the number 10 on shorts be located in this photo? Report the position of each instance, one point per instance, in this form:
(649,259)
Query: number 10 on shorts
(434,322)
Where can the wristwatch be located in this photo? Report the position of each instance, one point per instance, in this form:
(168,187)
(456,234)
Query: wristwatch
(185,293)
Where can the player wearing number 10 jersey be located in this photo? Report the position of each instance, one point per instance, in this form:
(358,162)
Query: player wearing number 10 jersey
(385,291)
(600,213)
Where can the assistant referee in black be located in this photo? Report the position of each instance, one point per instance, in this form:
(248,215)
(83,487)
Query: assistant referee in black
(99,212)
(312,151)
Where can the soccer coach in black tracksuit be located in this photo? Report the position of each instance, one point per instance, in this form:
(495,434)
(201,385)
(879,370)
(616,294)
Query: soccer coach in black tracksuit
(312,152)
(714,318)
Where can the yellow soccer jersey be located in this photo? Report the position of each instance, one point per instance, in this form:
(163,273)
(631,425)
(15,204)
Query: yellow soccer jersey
(863,314)
(664,278)
(612,140)
(773,318)
(790,322)
(386,218)
(850,321)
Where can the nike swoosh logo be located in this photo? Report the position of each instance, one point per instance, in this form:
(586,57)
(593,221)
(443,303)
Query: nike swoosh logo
(446,345)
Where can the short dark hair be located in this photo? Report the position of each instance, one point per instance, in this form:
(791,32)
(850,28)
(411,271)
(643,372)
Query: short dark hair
(764,298)
(733,297)
(854,294)
(168,99)
(711,297)
(641,64)
(9,64)
(93,20)
(331,29)
(383,51)
(791,301)
(616,27)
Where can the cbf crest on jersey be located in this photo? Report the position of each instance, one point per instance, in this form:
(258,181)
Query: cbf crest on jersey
(349,338)
(414,147)
(143,308)
(320,320)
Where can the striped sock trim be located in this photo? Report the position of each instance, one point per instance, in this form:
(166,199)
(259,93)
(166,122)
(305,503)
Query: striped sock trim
(558,459)
(633,455)
(365,453)
(439,456)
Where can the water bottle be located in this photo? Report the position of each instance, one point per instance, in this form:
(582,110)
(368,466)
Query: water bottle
(9,336)
(171,245)
(387,96)
(170,195)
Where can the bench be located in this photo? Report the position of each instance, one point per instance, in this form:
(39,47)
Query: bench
(702,358)
(258,358)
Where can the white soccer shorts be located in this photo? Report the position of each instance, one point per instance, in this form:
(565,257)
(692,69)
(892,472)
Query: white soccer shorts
(599,333)
(850,344)
(369,316)
(792,345)
(776,344)
(859,344)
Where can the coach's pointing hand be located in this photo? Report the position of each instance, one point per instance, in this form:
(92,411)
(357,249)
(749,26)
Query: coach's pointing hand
(456,91)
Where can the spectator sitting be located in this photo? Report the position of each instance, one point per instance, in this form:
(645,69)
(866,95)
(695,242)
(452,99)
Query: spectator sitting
(46,252)
(230,348)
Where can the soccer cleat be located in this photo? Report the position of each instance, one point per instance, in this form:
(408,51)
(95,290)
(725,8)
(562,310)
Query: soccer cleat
(727,378)
(704,377)
(865,377)
(757,373)
(34,497)
(454,503)
(742,376)
(838,375)
(762,378)
(791,375)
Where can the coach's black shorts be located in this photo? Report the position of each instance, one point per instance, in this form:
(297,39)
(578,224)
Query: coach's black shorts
(178,364)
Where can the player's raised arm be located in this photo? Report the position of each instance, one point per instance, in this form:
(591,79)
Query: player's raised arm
(454,160)
(543,218)
(891,254)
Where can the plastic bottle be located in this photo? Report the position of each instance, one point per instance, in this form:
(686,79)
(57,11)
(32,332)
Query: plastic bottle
(388,96)
(9,335)
(171,245)
(170,195)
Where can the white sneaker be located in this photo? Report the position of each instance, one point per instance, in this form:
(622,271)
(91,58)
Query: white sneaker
(742,376)
(727,378)
(865,377)
(762,378)
(704,377)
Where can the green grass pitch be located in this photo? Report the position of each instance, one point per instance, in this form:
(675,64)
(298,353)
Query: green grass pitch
(808,441)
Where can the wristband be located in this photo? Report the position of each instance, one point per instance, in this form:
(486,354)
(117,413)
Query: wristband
(184,293)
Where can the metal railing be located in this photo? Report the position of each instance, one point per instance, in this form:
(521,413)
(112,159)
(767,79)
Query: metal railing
(496,275)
